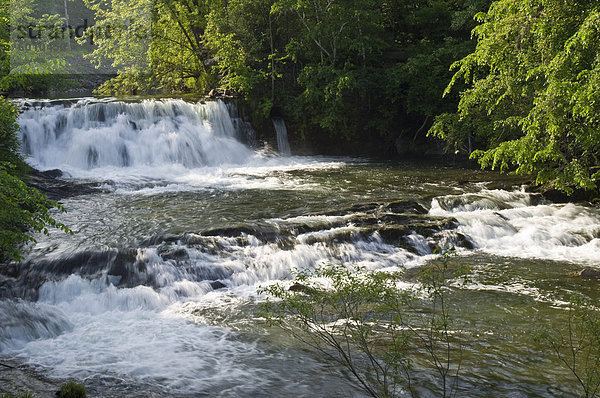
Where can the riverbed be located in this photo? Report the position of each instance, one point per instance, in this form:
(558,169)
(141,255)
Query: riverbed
(155,294)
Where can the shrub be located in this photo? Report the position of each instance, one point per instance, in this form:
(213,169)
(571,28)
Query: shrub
(22,210)
(71,390)
(577,344)
(363,321)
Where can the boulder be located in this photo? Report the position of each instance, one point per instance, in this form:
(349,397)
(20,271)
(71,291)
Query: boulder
(589,273)
(300,288)
(216,285)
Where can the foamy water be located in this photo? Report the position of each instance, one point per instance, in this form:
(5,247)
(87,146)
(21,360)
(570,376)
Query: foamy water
(508,224)
(157,319)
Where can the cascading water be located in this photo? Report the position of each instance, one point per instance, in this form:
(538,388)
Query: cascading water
(157,289)
(120,134)
(282,137)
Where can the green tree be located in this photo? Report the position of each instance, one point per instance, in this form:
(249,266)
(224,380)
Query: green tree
(241,46)
(361,70)
(337,48)
(372,69)
(530,105)
(10,145)
(27,65)
(23,210)
(154,45)
(355,321)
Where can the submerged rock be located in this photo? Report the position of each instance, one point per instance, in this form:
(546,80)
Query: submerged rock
(549,192)
(588,273)
(397,207)
(216,285)
(172,253)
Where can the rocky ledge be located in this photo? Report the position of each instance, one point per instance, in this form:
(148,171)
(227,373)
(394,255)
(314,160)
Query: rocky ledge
(57,188)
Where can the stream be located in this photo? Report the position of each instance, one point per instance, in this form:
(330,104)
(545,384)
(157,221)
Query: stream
(155,294)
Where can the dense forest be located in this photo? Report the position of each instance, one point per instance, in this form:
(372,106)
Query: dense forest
(511,84)
(366,72)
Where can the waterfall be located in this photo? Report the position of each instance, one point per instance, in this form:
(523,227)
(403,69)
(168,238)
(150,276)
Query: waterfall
(282,139)
(87,135)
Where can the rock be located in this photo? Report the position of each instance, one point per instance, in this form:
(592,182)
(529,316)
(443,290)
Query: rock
(300,288)
(216,285)
(48,182)
(211,93)
(15,376)
(397,207)
(554,195)
(588,273)
(24,279)
(407,206)
(126,266)
(171,253)
(263,233)
(160,239)
(54,173)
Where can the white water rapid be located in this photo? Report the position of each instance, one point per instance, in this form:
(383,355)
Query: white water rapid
(157,288)
(152,133)
(512,224)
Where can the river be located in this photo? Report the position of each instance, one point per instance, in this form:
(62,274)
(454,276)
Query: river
(155,294)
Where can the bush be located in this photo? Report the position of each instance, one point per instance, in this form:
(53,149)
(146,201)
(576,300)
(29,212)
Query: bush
(577,344)
(9,141)
(351,322)
(363,321)
(23,209)
(71,390)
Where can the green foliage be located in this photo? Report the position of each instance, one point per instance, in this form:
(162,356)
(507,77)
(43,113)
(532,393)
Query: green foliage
(577,344)
(375,330)
(533,79)
(71,390)
(153,45)
(233,62)
(347,69)
(9,141)
(23,210)
(376,65)
(354,314)
(24,66)
(178,47)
